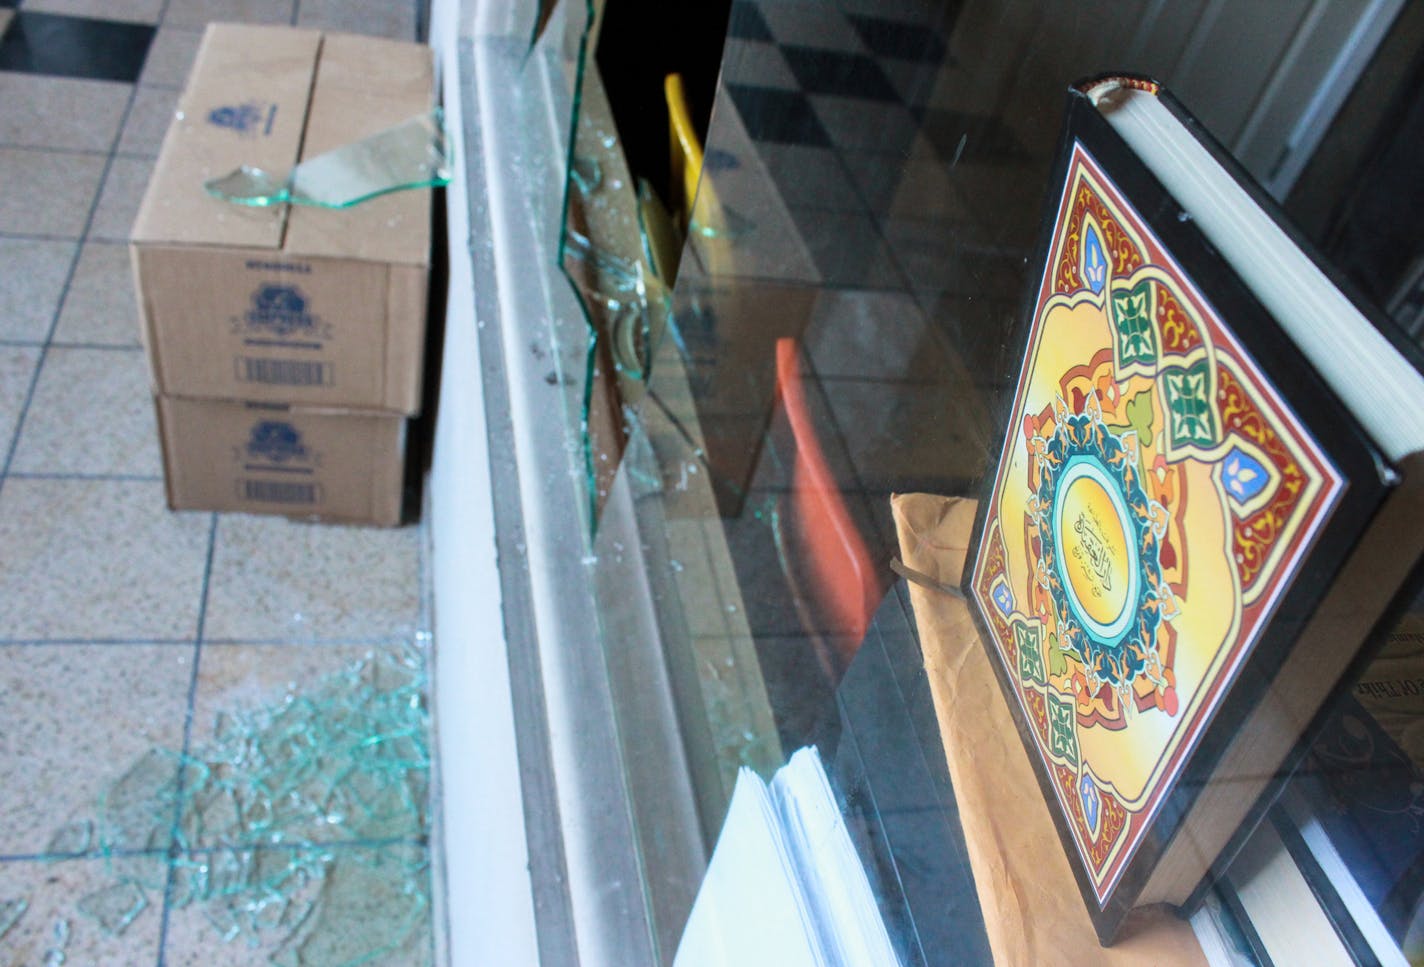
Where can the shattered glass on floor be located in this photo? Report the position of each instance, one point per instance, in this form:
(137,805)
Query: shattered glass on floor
(299,831)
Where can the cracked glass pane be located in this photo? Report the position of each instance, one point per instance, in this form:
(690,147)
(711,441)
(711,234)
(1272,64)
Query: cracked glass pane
(412,154)
(651,497)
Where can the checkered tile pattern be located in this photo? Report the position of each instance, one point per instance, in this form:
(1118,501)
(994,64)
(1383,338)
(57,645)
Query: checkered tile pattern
(845,108)
(856,121)
(119,620)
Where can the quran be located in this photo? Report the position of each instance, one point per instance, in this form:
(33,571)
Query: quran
(1206,501)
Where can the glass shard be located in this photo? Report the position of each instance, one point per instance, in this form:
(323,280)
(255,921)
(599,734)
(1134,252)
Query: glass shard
(586,173)
(412,154)
(10,913)
(59,945)
(358,892)
(546,10)
(114,907)
(72,839)
(722,222)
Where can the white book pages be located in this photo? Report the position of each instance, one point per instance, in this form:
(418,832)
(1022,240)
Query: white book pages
(838,891)
(1343,345)
(750,909)
(785,886)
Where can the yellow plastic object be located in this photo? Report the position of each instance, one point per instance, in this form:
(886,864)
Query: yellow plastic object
(686,148)
(700,213)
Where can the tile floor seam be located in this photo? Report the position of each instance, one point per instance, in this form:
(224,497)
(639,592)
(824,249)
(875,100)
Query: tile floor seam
(48,642)
(37,237)
(335,844)
(171,879)
(64,292)
(115,477)
(105,346)
(94,854)
(337,642)
(325,845)
(43,149)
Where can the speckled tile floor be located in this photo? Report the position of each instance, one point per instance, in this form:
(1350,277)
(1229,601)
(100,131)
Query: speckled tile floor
(125,627)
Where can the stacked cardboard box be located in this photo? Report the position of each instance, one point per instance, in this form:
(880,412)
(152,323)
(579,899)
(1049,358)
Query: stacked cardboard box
(286,342)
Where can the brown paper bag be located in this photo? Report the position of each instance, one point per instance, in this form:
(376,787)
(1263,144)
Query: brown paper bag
(1033,910)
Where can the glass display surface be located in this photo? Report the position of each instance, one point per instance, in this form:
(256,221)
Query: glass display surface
(833,313)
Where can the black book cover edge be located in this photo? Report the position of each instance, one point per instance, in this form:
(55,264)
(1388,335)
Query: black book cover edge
(1334,428)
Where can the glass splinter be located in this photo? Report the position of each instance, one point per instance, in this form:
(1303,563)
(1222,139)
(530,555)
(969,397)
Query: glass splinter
(413,154)
(55,955)
(587,173)
(730,225)
(72,839)
(10,913)
(114,907)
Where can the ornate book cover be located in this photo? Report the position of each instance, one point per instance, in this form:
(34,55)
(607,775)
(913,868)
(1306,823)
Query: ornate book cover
(1171,474)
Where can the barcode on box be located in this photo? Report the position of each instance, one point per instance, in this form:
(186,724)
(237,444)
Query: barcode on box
(283,372)
(279,491)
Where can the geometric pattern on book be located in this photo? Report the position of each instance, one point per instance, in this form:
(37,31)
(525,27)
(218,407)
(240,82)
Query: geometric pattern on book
(1153,499)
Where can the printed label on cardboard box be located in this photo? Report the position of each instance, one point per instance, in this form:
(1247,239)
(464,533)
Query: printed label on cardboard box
(249,119)
(276,447)
(279,314)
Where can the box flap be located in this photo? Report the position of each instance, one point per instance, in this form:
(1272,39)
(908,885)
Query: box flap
(363,86)
(245,103)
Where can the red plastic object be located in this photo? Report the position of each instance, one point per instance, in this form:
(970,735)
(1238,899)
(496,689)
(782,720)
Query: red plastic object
(841,574)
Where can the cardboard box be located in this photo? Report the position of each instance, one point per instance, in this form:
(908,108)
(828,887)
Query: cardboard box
(289,303)
(267,458)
